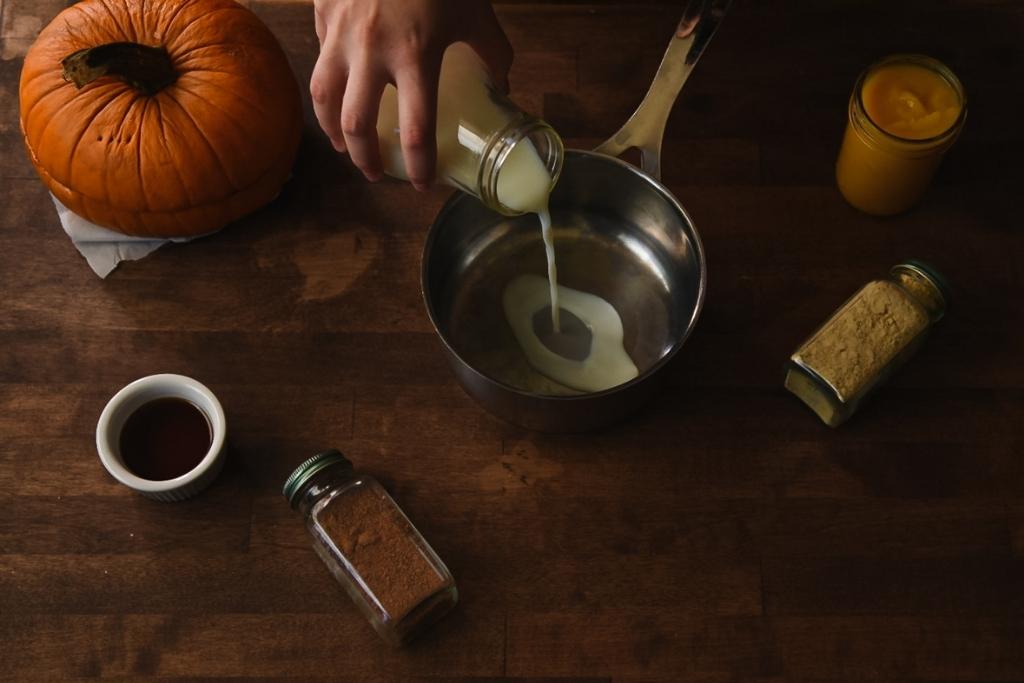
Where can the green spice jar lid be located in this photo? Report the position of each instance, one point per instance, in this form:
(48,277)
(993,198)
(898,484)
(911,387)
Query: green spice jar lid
(304,472)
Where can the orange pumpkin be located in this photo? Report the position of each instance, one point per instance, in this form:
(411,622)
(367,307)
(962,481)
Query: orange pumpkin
(178,117)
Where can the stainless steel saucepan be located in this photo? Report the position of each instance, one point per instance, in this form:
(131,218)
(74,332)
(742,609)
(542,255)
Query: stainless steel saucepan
(619,234)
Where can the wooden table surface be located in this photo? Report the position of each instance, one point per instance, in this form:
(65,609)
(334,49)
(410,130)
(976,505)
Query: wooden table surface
(722,533)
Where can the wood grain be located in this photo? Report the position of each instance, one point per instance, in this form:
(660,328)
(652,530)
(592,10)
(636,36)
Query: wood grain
(721,534)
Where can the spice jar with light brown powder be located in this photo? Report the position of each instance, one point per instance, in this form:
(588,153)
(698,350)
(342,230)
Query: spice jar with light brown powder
(866,340)
(371,547)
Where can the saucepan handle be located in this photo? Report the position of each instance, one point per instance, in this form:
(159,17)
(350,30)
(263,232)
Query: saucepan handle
(646,127)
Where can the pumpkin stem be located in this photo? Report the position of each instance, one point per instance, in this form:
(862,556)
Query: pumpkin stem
(147,69)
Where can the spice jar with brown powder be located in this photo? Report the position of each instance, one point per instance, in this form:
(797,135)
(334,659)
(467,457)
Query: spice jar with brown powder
(866,340)
(371,547)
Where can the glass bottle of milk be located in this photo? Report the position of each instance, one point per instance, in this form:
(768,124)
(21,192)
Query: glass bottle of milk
(486,146)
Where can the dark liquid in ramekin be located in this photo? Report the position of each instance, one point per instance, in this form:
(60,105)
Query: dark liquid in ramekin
(165,438)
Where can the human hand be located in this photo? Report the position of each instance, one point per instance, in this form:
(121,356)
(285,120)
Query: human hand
(366,44)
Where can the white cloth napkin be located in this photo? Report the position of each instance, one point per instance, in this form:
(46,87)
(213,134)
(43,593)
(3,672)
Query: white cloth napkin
(104,248)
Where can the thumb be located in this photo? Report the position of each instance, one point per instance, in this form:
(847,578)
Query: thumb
(490,42)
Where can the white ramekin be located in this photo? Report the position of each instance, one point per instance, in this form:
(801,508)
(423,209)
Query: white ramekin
(129,399)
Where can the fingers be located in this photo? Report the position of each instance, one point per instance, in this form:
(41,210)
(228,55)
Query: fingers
(359,111)
(327,87)
(491,43)
(363,48)
(417,120)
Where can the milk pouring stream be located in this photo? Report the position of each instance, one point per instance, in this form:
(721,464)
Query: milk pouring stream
(489,148)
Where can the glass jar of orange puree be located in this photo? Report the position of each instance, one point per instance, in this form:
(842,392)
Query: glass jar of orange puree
(904,113)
